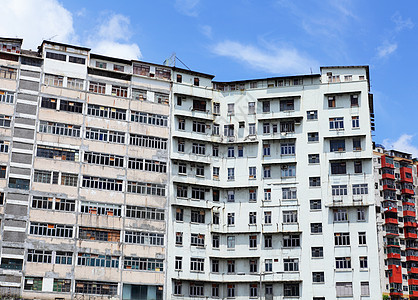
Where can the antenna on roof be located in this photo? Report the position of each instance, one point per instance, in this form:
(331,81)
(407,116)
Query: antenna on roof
(51,37)
(171,61)
(311,70)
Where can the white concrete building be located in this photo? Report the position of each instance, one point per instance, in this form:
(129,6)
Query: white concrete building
(269,188)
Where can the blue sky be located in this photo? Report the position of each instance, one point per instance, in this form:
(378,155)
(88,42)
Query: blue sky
(244,39)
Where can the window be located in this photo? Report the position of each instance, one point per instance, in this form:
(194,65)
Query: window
(231,196)
(318,277)
(313,136)
(336,123)
(252,217)
(267,172)
(59,129)
(215,150)
(266,150)
(268,241)
(355,121)
(144,164)
(340,215)
(143,212)
(253,266)
(198,149)
(268,265)
(197,240)
(57,153)
(337,145)
(162,98)
(269,290)
(252,172)
(106,112)
(215,129)
(338,168)
(56,56)
(317,252)
(105,135)
(312,114)
(179,238)
(251,129)
(95,260)
(231,151)
(266,106)
(251,108)
(267,217)
(230,290)
(63,258)
(143,238)
(8,73)
(314,181)
(200,170)
(5,121)
(363,262)
(216,108)
(215,195)
(197,216)
(139,95)
(231,173)
(196,289)
(179,214)
(288,170)
(7,97)
(344,289)
(196,81)
(313,158)
(287,149)
(101,209)
(254,290)
(331,101)
(198,193)
(354,100)
(229,130)
(267,194)
(339,190)
(33,283)
(52,230)
(231,108)
(290,216)
(101,183)
(240,151)
(230,266)
(287,105)
(316,228)
(342,239)
(362,238)
(215,173)
(97,87)
(360,189)
(343,262)
(361,214)
(291,289)
(94,287)
(287,127)
(358,167)
(291,265)
(252,195)
(180,146)
(150,119)
(231,219)
(365,291)
(39,256)
(177,288)
(198,127)
(292,240)
(143,188)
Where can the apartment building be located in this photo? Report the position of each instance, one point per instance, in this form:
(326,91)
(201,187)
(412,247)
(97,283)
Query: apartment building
(84,145)
(395,187)
(269,187)
(131,180)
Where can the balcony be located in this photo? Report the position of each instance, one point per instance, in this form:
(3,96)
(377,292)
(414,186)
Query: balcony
(410,224)
(410,235)
(391,221)
(387,162)
(413,294)
(406,174)
(390,209)
(409,213)
(396,292)
(388,176)
(407,191)
(412,281)
(389,187)
(394,255)
(413,270)
(395,275)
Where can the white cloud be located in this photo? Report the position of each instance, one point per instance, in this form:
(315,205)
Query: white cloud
(403,143)
(386,49)
(187,7)
(206,30)
(36,20)
(401,23)
(278,60)
(112,38)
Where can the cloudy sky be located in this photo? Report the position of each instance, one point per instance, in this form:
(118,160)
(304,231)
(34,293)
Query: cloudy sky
(244,39)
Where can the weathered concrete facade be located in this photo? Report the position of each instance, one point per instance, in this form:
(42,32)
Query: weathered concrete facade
(84,147)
